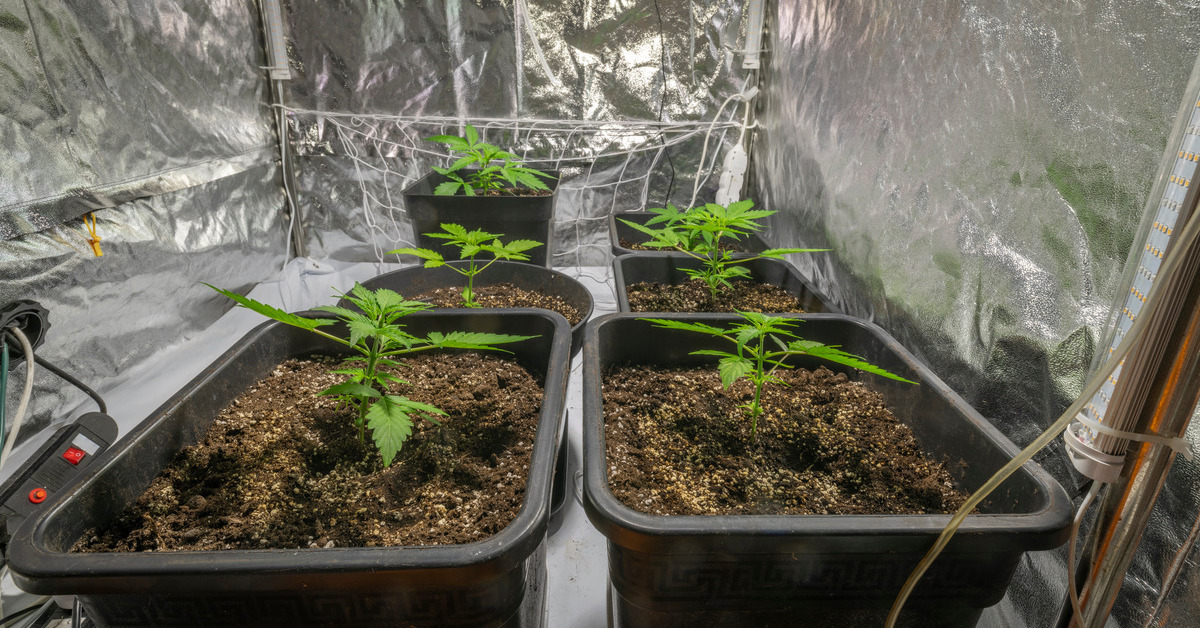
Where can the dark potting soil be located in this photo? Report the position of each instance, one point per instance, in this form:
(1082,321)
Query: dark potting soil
(503,295)
(283,468)
(693,296)
(679,445)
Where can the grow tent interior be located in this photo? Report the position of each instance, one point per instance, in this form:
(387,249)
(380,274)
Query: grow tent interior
(978,169)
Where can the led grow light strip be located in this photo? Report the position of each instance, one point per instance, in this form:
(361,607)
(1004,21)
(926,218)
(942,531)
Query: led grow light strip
(1104,461)
(276,46)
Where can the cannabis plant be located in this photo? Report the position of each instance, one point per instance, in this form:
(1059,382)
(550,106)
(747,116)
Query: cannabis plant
(498,169)
(703,233)
(470,244)
(377,337)
(762,344)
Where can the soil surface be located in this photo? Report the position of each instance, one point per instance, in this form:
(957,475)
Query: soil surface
(679,445)
(503,295)
(693,296)
(514,192)
(283,468)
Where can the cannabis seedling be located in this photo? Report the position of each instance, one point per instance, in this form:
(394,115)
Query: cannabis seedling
(701,232)
(762,344)
(377,337)
(498,169)
(470,244)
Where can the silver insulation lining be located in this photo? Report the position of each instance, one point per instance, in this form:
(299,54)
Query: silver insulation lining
(105,102)
(153,114)
(109,314)
(980,170)
(657,70)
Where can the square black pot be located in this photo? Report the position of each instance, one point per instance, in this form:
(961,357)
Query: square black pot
(416,280)
(667,268)
(617,231)
(516,217)
(831,570)
(499,581)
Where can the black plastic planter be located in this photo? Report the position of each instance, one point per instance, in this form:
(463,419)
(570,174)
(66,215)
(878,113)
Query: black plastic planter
(667,268)
(617,231)
(416,280)
(815,570)
(496,582)
(516,217)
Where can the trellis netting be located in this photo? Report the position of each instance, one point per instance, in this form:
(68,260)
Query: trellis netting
(979,170)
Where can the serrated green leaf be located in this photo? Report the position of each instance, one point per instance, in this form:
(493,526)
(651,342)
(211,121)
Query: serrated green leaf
(421,253)
(452,141)
(731,368)
(745,334)
(834,354)
(519,246)
(472,340)
(532,182)
(397,336)
(390,426)
(448,188)
(351,389)
(452,229)
(472,135)
(720,354)
(273,312)
(359,329)
(337,311)
(392,300)
(461,162)
(384,378)
(778,252)
(667,323)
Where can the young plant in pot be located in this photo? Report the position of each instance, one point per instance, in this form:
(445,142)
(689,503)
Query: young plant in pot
(629,239)
(485,188)
(704,275)
(487,274)
(767,487)
(267,505)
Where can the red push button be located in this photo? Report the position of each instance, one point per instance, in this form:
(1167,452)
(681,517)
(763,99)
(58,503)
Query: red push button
(73,455)
(37,495)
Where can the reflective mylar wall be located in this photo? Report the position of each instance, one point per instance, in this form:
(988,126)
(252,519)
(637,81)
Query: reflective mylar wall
(980,169)
(152,114)
(557,65)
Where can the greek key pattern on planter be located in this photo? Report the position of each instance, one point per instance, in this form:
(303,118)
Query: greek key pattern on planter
(444,608)
(758,577)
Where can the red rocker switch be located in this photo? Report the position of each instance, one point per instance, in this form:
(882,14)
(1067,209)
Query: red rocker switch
(73,455)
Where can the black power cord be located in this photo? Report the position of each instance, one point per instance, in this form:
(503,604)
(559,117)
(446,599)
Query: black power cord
(71,380)
(662,100)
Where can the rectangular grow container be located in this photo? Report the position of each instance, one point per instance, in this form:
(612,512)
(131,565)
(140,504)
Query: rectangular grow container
(667,268)
(497,582)
(516,217)
(830,570)
(618,231)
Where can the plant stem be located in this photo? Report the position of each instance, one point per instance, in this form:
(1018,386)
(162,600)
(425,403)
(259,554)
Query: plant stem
(760,380)
(364,403)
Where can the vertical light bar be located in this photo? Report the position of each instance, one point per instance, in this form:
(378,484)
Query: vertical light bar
(754,33)
(1165,221)
(276,42)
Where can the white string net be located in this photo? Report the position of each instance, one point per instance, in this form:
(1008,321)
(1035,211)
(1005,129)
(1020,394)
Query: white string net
(606,166)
